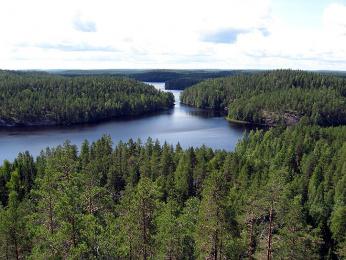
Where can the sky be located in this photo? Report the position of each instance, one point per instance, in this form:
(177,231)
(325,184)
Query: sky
(173,34)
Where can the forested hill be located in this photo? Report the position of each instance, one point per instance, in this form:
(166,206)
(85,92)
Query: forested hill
(34,98)
(274,97)
(282,193)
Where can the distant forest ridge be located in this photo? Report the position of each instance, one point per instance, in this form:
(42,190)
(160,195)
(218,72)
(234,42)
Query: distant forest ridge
(174,79)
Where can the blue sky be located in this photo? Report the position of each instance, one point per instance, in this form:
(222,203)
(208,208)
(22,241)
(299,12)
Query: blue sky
(193,34)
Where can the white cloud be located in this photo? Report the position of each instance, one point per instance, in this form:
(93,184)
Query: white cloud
(164,34)
(84,25)
(334,19)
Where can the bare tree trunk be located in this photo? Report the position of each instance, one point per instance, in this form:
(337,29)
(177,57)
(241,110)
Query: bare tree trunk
(51,225)
(16,248)
(130,251)
(269,248)
(7,250)
(145,254)
(74,237)
(251,240)
(90,205)
(215,246)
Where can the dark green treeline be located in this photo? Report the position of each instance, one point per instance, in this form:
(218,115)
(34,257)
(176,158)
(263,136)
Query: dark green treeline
(29,98)
(279,97)
(281,194)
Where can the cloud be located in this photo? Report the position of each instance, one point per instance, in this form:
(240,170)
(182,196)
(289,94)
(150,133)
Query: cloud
(334,19)
(231,35)
(326,57)
(223,36)
(264,31)
(84,25)
(81,47)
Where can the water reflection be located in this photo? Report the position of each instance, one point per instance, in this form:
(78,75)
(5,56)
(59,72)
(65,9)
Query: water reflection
(187,125)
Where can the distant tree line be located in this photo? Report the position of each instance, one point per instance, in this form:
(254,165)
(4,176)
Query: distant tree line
(33,98)
(189,79)
(173,79)
(274,97)
(280,195)
(181,83)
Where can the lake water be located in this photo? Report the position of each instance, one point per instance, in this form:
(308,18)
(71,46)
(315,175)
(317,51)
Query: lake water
(186,125)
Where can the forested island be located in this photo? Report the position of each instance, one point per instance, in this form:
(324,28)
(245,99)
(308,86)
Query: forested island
(280,194)
(274,97)
(38,98)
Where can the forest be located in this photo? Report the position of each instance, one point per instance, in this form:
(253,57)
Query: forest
(274,97)
(280,195)
(173,79)
(181,83)
(38,98)
(189,79)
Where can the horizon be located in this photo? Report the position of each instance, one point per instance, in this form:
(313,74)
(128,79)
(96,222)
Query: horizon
(167,69)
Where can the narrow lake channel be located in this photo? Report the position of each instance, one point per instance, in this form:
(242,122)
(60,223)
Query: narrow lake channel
(186,125)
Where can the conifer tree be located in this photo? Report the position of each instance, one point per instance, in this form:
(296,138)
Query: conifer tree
(137,220)
(213,234)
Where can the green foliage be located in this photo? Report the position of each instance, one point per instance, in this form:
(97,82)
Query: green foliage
(170,232)
(152,201)
(137,220)
(15,240)
(216,230)
(43,99)
(274,97)
(183,176)
(338,223)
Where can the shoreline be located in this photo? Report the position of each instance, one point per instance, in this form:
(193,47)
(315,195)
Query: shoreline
(240,122)
(47,124)
(231,120)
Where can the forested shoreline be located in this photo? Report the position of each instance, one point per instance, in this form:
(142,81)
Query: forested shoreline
(281,192)
(274,97)
(34,98)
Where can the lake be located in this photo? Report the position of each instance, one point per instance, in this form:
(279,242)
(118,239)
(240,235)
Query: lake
(186,125)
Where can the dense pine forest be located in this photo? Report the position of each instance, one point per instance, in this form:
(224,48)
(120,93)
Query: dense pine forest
(33,98)
(281,194)
(274,97)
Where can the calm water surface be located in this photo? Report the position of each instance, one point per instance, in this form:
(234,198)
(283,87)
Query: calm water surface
(187,125)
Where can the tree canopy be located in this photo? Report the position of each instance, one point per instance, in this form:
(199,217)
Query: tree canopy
(33,98)
(274,97)
(280,194)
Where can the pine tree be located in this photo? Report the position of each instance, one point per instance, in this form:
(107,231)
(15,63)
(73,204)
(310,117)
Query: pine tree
(295,240)
(167,166)
(188,220)
(169,237)
(214,236)
(5,175)
(58,221)
(14,234)
(137,220)
(183,177)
